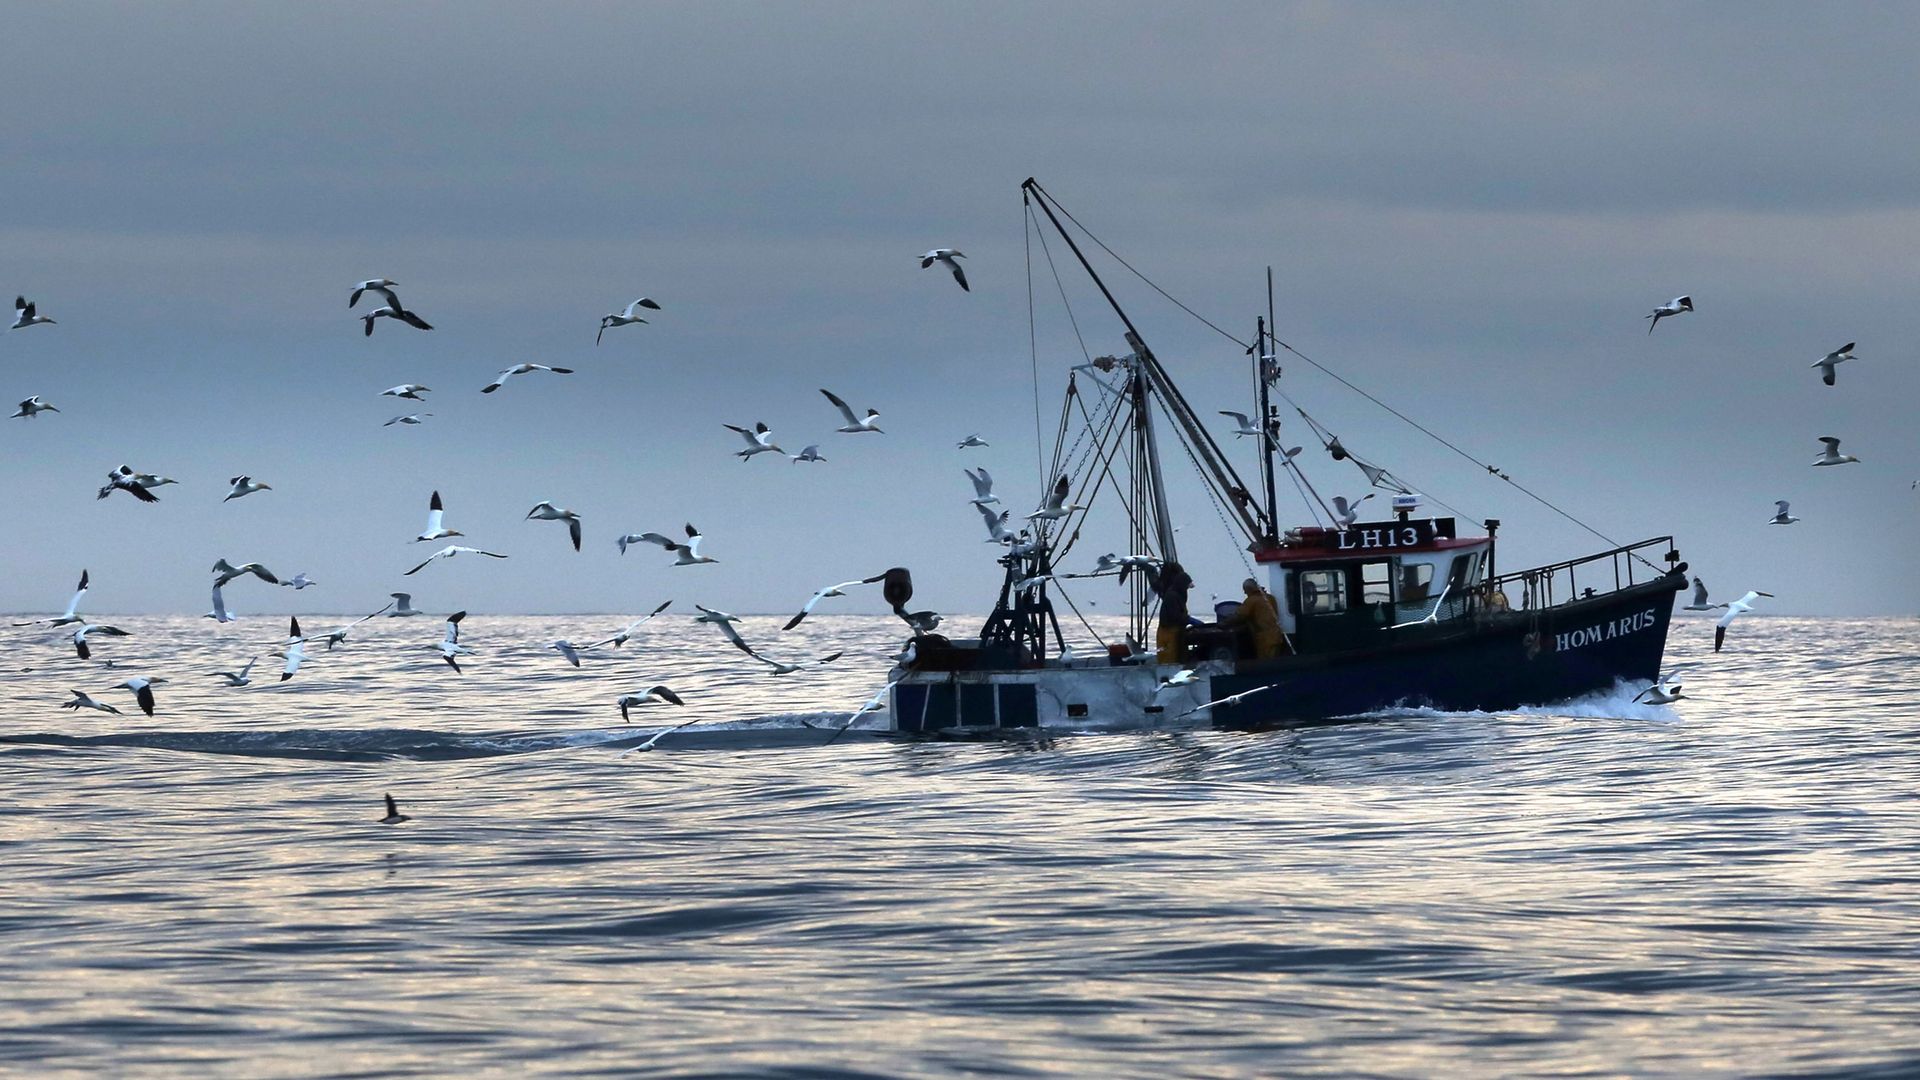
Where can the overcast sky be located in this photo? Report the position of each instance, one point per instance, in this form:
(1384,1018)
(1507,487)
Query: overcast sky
(1468,211)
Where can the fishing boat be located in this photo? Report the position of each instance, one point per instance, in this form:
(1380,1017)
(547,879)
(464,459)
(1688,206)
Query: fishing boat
(1407,609)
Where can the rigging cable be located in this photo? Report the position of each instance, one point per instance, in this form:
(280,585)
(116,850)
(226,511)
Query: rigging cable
(1033,335)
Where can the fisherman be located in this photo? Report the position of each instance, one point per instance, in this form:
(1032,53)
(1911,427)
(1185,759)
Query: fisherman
(1260,616)
(1170,583)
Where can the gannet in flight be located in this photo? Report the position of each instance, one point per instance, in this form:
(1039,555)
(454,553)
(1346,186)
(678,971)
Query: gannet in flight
(124,479)
(625,318)
(394,816)
(821,594)
(295,650)
(241,677)
(1229,699)
(1827,362)
(971,441)
(393,310)
(410,391)
(1675,306)
(687,554)
(402,606)
(725,622)
(982,486)
(1780,515)
(854,424)
(82,701)
(80,637)
(339,633)
(809,452)
(24,316)
(220,614)
(71,615)
(224,572)
(647,697)
(945,257)
(759,440)
(568,649)
(33,407)
(625,633)
(450,646)
(300,581)
(411,419)
(1734,610)
(436,522)
(1664,691)
(142,688)
(997,531)
(1056,506)
(1700,598)
(449,552)
(383,286)
(1832,454)
(521,369)
(245,485)
(546,511)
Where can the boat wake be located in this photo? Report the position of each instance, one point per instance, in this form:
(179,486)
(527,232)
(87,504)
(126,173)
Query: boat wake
(1614,703)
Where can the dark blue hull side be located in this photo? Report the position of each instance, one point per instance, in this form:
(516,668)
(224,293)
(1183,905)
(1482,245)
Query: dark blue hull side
(1493,662)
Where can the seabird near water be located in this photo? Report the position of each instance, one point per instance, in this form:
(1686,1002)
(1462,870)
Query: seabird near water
(1676,306)
(809,452)
(245,485)
(436,523)
(546,511)
(945,257)
(1827,363)
(25,315)
(33,407)
(982,486)
(626,633)
(1664,691)
(225,571)
(220,614)
(1056,506)
(821,594)
(339,633)
(299,581)
(687,554)
(71,615)
(80,637)
(238,678)
(450,646)
(448,552)
(521,369)
(649,696)
(759,440)
(1832,454)
(568,649)
(394,816)
(295,650)
(82,701)
(1734,610)
(854,424)
(403,606)
(1780,515)
(1699,602)
(142,688)
(625,318)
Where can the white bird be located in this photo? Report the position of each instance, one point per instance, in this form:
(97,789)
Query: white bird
(1228,700)
(300,581)
(225,571)
(725,622)
(1734,610)
(410,419)
(394,311)
(625,318)
(997,531)
(568,649)
(625,633)
(982,486)
(1346,513)
(759,440)
(383,286)
(436,518)
(80,637)
(82,701)
(245,485)
(1675,306)
(971,441)
(854,424)
(821,594)
(295,650)
(1700,598)
(410,391)
(521,369)
(450,646)
(687,554)
(150,481)
(945,257)
(546,511)
(1056,506)
(241,677)
(403,606)
(876,703)
(1664,691)
(33,407)
(922,622)
(220,614)
(1183,677)
(339,633)
(783,667)
(394,816)
(1245,425)
(1832,454)
(1827,362)
(648,696)
(71,615)
(449,552)
(809,452)
(24,316)
(125,479)
(1780,515)
(142,687)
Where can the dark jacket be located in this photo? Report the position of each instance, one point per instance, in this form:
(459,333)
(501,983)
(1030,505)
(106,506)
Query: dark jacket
(1170,583)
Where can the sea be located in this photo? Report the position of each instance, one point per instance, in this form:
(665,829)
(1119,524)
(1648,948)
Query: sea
(1726,886)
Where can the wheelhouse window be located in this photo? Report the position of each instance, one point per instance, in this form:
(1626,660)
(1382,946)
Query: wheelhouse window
(1376,583)
(1464,571)
(1416,582)
(1323,592)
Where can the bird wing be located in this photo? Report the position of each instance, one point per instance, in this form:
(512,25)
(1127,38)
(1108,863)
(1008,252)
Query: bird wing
(959,275)
(1699,591)
(573,530)
(219,605)
(667,542)
(261,572)
(1780,508)
(413,320)
(1238,418)
(734,636)
(73,605)
(436,513)
(453,629)
(442,553)
(842,406)
(1832,444)
(392,299)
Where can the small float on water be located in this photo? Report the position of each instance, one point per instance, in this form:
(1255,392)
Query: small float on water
(1405,610)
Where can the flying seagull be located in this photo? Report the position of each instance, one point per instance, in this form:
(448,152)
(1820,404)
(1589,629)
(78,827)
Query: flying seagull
(450,646)
(300,581)
(238,678)
(821,594)
(568,649)
(687,554)
(339,633)
(1700,598)
(854,424)
(521,369)
(997,531)
(648,696)
(33,407)
(383,286)
(971,441)
(1780,515)
(142,688)
(1832,455)
(394,816)
(759,440)
(403,606)
(1228,700)
(124,479)
(546,511)
(73,606)
(625,633)
(1675,306)
(1346,513)
(982,486)
(449,552)
(724,621)
(436,517)
(945,257)
(224,572)
(245,485)
(1664,691)
(410,391)
(1827,362)
(80,637)
(410,419)
(24,316)
(1734,610)
(82,701)
(220,614)
(1244,425)
(1056,505)
(809,452)
(625,318)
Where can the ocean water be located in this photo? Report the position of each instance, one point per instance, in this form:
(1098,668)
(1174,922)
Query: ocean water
(1729,886)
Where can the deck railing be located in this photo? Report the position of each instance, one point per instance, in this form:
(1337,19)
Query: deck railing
(1579,579)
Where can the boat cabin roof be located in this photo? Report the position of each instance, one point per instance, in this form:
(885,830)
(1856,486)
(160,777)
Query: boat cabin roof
(1367,540)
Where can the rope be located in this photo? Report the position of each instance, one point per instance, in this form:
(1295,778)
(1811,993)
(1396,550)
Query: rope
(1030,226)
